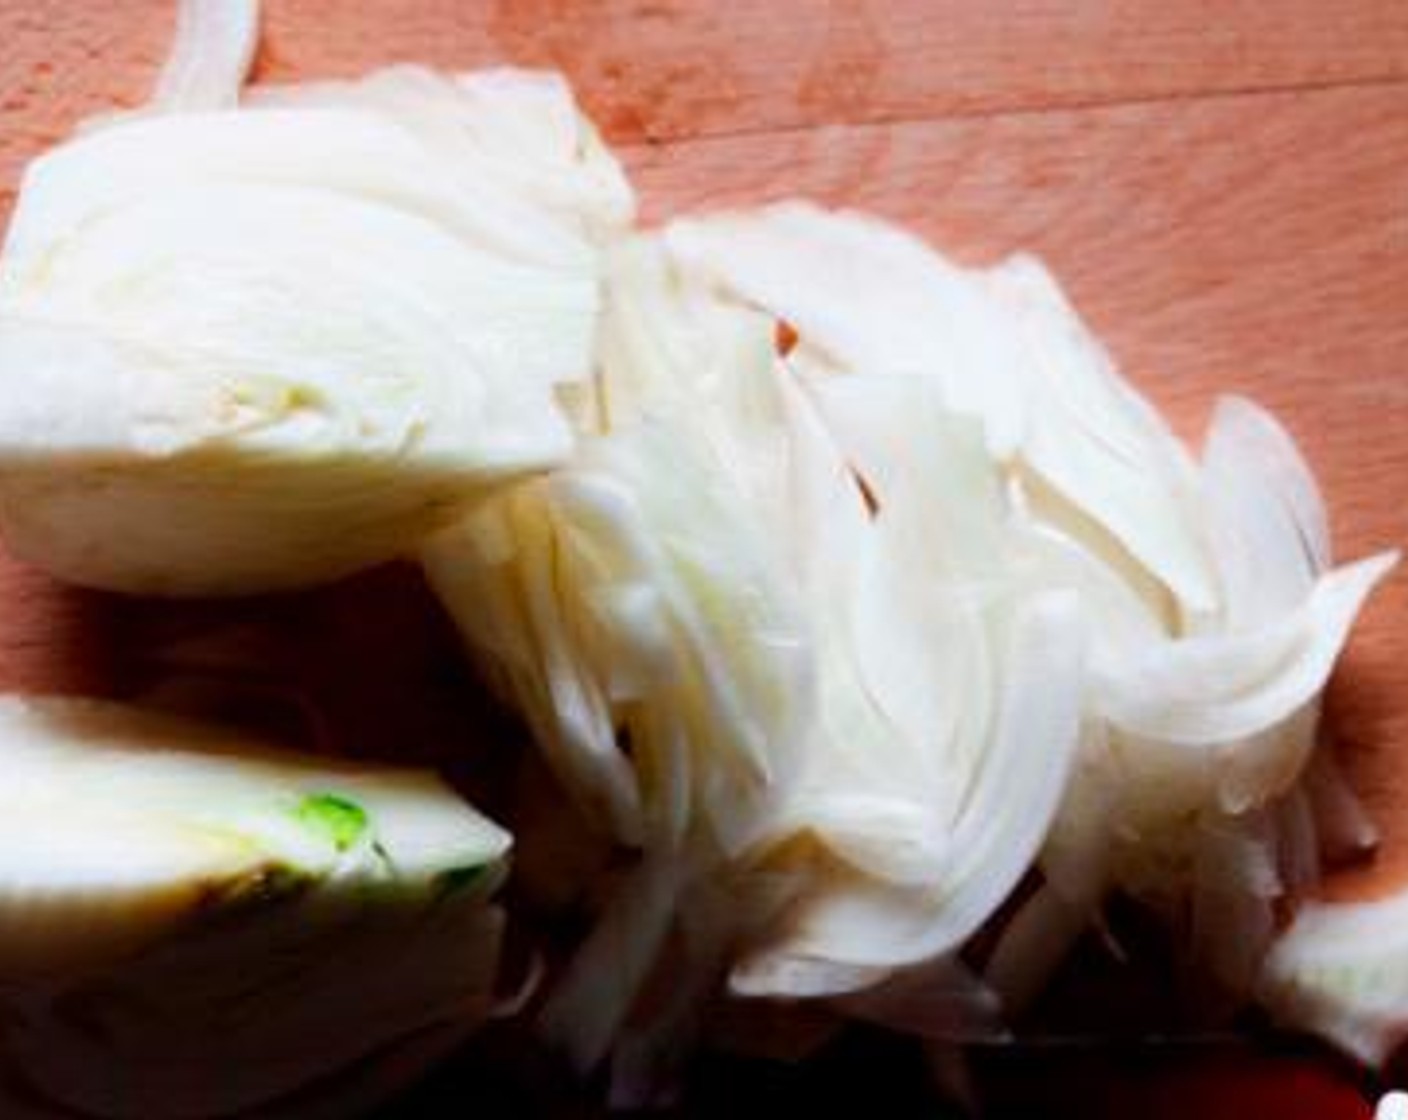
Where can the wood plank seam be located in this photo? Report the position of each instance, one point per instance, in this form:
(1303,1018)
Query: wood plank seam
(978,114)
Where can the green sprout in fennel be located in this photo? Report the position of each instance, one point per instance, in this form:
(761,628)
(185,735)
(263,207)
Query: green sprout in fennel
(339,819)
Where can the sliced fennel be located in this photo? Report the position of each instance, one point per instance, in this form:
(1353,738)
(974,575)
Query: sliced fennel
(1392,1106)
(1200,791)
(194,925)
(1225,719)
(213,51)
(1002,346)
(1025,627)
(1341,971)
(1213,805)
(847,587)
(519,129)
(639,606)
(641,590)
(263,347)
(1212,615)
(1206,719)
(792,675)
(937,759)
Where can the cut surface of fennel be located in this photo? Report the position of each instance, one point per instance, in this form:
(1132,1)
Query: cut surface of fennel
(257,347)
(192,924)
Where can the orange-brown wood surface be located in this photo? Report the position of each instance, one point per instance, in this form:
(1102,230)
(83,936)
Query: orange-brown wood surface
(1222,185)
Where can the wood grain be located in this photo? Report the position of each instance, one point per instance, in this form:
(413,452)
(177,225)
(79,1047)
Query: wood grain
(61,62)
(1222,186)
(671,69)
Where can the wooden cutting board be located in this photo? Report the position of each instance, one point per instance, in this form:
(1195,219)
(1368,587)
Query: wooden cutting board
(1222,185)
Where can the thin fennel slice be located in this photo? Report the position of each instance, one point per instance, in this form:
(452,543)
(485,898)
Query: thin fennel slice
(211,57)
(1272,531)
(1003,346)
(1341,971)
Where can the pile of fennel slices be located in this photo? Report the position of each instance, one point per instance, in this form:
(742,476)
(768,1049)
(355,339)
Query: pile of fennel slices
(844,589)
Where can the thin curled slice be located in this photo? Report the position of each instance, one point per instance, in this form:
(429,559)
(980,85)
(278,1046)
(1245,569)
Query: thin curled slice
(1004,346)
(1221,703)
(1268,519)
(1100,445)
(211,57)
(896,309)
(1341,971)
(853,922)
